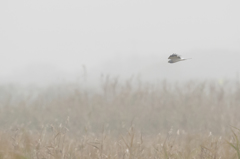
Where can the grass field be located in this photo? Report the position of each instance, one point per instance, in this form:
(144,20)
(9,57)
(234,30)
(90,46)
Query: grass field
(121,120)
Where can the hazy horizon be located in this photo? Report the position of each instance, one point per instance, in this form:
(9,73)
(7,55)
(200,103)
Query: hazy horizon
(91,79)
(48,41)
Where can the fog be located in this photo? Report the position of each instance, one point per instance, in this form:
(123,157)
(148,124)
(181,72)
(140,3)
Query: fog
(56,41)
(91,79)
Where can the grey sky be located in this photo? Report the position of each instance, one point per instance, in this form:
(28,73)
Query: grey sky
(51,39)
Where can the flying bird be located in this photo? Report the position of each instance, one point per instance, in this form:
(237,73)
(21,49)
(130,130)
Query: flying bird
(176,58)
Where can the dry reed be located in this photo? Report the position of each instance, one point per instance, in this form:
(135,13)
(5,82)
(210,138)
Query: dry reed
(130,120)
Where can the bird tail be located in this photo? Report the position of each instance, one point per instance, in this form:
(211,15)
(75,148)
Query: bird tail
(186,58)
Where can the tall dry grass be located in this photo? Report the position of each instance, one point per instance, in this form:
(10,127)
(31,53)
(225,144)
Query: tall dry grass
(121,119)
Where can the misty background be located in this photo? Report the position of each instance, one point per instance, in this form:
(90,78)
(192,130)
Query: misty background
(48,41)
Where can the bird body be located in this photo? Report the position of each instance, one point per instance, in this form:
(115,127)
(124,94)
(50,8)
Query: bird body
(176,58)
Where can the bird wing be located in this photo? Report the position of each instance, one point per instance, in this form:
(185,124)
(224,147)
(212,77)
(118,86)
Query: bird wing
(174,57)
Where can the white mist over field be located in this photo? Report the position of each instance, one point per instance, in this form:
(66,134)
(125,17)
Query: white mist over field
(91,79)
(56,41)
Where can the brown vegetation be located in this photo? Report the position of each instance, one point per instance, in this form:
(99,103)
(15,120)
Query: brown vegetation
(130,120)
